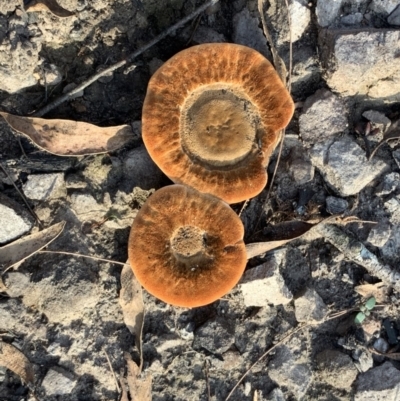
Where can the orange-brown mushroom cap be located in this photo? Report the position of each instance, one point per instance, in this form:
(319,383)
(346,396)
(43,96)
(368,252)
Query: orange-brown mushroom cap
(186,248)
(212,117)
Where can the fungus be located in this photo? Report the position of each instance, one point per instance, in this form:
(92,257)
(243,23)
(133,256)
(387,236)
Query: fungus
(185,247)
(212,116)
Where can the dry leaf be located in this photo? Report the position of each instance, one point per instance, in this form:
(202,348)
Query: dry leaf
(378,290)
(139,384)
(48,5)
(70,138)
(23,248)
(12,358)
(131,301)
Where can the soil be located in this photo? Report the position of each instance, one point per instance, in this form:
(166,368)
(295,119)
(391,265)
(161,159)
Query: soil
(66,314)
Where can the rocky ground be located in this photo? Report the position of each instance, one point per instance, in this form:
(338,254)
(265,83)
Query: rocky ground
(63,312)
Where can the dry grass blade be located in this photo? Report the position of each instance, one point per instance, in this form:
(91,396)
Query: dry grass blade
(391,355)
(139,384)
(70,138)
(48,5)
(23,248)
(12,358)
(131,301)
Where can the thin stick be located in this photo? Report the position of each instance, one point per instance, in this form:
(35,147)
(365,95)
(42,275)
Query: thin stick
(22,196)
(129,59)
(84,256)
(112,371)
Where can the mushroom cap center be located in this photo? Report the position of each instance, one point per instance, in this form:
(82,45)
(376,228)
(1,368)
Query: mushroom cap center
(188,244)
(219,125)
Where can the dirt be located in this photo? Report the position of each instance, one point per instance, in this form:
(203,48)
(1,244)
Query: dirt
(64,312)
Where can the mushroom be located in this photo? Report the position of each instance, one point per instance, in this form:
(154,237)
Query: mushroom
(185,247)
(212,116)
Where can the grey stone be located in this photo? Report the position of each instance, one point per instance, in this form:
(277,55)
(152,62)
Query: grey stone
(336,368)
(378,119)
(378,384)
(16,283)
(86,207)
(58,382)
(43,187)
(263,285)
(336,205)
(216,336)
(205,34)
(352,19)
(286,370)
(301,16)
(392,205)
(344,165)
(391,248)
(394,17)
(381,345)
(324,115)
(355,65)
(301,168)
(383,6)
(50,75)
(363,360)
(276,395)
(327,11)
(391,183)
(140,170)
(248,33)
(14,220)
(379,234)
(310,307)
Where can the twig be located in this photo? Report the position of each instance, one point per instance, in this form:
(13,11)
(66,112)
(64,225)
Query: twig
(22,196)
(206,362)
(129,59)
(84,256)
(112,371)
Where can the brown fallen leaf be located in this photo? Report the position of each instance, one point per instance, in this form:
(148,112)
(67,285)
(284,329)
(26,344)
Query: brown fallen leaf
(48,5)
(131,301)
(139,384)
(70,138)
(19,250)
(12,358)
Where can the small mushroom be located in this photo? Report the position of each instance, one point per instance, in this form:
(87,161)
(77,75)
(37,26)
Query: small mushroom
(212,116)
(186,248)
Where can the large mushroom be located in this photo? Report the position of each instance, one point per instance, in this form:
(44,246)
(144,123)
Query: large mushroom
(186,248)
(212,116)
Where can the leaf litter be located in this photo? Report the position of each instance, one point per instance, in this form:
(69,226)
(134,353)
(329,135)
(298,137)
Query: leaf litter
(47,5)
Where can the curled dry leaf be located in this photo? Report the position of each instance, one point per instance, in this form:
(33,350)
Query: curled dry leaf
(131,301)
(139,384)
(378,290)
(70,138)
(47,5)
(12,358)
(19,250)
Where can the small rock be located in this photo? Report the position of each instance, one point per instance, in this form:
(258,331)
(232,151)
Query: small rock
(336,205)
(16,283)
(86,207)
(336,368)
(394,17)
(58,382)
(301,169)
(50,76)
(140,170)
(310,307)
(204,34)
(383,6)
(344,165)
(379,234)
(263,285)
(363,360)
(381,345)
(393,207)
(352,19)
(324,115)
(327,11)
(288,371)
(14,220)
(246,31)
(396,157)
(390,183)
(391,248)
(276,395)
(378,384)
(355,65)
(44,187)
(216,336)
(300,13)
(378,119)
